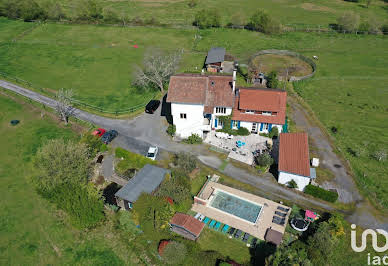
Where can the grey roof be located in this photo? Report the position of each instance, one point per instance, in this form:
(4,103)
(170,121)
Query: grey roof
(146,180)
(313,173)
(216,54)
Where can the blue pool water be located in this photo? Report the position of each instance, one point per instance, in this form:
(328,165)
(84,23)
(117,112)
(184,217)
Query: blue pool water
(236,206)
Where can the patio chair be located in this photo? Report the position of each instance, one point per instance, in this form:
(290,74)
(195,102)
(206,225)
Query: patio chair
(217,226)
(231,231)
(201,217)
(283,209)
(281,214)
(212,223)
(225,228)
(197,215)
(206,220)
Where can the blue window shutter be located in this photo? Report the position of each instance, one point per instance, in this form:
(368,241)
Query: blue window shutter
(215,122)
(261,126)
(238,124)
(269,127)
(231,124)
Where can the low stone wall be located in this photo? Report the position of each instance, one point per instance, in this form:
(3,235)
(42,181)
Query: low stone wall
(294,54)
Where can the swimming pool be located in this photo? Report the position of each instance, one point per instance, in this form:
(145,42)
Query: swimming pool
(236,206)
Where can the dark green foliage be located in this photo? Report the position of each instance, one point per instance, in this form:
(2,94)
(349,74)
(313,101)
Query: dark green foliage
(264,159)
(261,21)
(83,203)
(274,132)
(110,15)
(294,255)
(93,144)
(272,80)
(242,131)
(171,130)
(321,193)
(177,187)
(184,161)
(174,253)
(384,29)
(130,160)
(193,139)
(25,9)
(207,18)
(292,184)
(127,223)
(192,3)
(88,10)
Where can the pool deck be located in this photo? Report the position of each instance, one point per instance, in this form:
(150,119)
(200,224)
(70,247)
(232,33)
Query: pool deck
(257,229)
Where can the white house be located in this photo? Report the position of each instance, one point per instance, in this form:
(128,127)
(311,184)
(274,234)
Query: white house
(294,161)
(198,100)
(259,110)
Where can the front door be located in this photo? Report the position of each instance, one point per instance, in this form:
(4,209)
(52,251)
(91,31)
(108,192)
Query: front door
(254,127)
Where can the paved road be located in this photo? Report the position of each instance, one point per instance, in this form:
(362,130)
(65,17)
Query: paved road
(145,130)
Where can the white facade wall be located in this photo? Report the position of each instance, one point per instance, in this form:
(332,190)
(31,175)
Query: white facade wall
(193,124)
(214,117)
(302,181)
(248,125)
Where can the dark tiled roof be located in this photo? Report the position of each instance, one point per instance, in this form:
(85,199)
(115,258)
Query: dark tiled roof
(273,236)
(256,99)
(294,153)
(187,222)
(215,55)
(209,90)
(146,180)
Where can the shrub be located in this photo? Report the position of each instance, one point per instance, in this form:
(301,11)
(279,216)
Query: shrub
(292,184)
(243,131)
(171,130)
(264,159)
(272,80)
(130,161)
(321,193)
(207,18)
(261,21)
(176,187)
(194,139)
(174,253)
(127,223)
(83,203)
(93,144)
(185,162)
(274,132)
(384,29)
(349,21)
(110,15)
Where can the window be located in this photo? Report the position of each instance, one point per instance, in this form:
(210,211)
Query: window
(235,124)
(249,111)
(183,116)
(267,113)
(220,123)
(265,126)
(220,110)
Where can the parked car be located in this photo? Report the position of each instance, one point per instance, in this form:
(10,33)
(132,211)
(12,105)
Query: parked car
(152,152)
(238,233)
(109,136)
(152,106)
(245,237)
(231,231)
(99,132)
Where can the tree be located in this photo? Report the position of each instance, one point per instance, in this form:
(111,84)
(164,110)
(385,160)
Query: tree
(264,159)
(207,18)
(272,80)
(274,132)
(157,69)
(30,10)
(185,162)
(237,19)
(87,10)
(292,184)
(59,162)
(110,15)
(349,21)
(175,187)
(295,254)
(368,2)
(174,253)
(261,21)
(64,104)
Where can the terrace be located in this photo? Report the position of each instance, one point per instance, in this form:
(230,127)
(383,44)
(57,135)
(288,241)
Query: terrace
(244,211)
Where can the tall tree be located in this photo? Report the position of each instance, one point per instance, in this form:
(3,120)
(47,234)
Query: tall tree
(64,104)
(157,69)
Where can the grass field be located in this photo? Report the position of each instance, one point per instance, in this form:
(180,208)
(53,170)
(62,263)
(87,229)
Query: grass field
(177,12)
(348,92)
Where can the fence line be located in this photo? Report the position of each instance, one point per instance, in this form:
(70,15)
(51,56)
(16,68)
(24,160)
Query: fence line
(80,103)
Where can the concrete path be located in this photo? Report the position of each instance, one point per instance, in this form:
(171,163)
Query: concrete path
(145,130)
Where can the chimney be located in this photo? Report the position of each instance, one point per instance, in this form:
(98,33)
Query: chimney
(234,77)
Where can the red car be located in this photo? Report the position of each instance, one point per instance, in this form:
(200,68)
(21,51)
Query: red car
(99,132)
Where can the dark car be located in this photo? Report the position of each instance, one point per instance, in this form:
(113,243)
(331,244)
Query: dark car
(231,231)
(245,237)
(238,233)
(109,136)
(152,106)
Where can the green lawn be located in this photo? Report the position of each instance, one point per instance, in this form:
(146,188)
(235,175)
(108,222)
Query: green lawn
(32,231)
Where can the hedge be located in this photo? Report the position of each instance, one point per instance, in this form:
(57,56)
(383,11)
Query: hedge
(130,160)
(321,193)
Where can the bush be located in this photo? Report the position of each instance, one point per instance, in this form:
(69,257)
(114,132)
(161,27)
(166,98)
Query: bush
(349,21)
(93,144)
(130,160)
(207,18)
(292,184)
(194,139)
(274,132)
(110,15)
(264,159)
(83,203)
(261,21)
(175,187)
(384,29)
(243,131)
(174,253)
(171,130)
(185,162)
(127,223)
(321,193)
(272,80)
